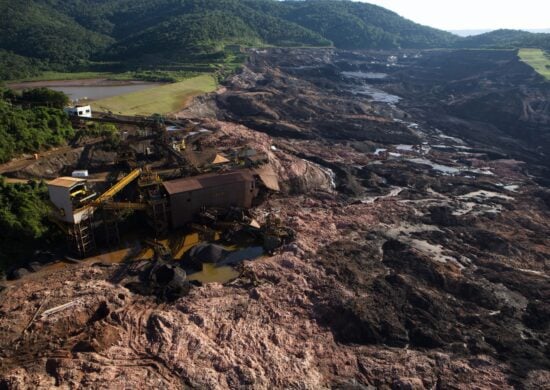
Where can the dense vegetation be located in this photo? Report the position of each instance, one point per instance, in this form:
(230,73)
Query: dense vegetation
(141,36)
(507,39)
(23,221)
(352,25)
(36,29)
(107,131)
(13,66)
(181,35)
(39,126)
(29,122)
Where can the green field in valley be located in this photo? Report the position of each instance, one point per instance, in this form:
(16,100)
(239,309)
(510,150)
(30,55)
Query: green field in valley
(537,59)
(158,100)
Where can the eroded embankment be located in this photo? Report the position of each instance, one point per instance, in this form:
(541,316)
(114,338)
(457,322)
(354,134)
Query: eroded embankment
(427,267)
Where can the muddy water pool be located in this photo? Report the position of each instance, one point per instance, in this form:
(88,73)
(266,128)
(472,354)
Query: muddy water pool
(102,92)
(89,89)
(222,272)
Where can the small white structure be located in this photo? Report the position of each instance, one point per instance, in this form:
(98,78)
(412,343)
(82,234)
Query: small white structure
(80,173)
(80,111)
(66,193)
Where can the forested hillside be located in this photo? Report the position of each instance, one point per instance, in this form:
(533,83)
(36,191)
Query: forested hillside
(40,124)
(69,35)
(37,30)
(503,39)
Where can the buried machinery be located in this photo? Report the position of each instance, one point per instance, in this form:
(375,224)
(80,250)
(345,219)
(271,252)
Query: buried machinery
(233,180)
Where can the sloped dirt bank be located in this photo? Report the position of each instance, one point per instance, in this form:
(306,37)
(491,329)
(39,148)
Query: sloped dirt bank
(425,267)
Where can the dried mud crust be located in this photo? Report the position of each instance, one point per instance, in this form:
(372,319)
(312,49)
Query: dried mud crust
(349,306)
(423,268)
(243,336)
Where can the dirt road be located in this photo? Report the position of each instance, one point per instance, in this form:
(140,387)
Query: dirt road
(23,162)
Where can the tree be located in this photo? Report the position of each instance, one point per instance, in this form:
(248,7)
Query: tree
(45,97)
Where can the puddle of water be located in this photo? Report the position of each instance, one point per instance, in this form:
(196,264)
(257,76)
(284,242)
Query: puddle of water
(480,171)
(395,191)
(114,257)
(405,148)
(437,167)
(212,273)
(223,271)
(473,209)
(243,254)
(365,75)
(483,194)
(455,139)
(512,187)
(302,67)
(219,273)
(188,242)
(375,94)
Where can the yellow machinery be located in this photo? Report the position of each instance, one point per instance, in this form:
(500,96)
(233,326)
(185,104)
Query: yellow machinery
(119,186)
(124,206)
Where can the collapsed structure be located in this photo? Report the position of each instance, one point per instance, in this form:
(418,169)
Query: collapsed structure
(189,195)
(223,181)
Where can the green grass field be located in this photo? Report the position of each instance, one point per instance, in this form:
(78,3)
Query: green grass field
(158,100)
(537,59)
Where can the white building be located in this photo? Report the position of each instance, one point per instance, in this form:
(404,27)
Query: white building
(68,194)
(81,111)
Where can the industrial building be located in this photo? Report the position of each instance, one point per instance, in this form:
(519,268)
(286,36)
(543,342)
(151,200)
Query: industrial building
(166,203)
(170,183)
(188,195)
(68,195)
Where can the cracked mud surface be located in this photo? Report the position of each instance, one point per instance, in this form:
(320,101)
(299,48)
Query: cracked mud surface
(422,248)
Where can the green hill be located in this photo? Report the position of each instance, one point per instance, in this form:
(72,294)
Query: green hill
(507,39)
(354,25)
(69,35)
(31,29)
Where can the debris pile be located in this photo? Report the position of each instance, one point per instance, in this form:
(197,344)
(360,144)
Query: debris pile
(167,281)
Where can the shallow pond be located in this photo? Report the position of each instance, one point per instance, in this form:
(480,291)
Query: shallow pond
(94,89)
(223,271)
(365,75)
(375,94)
(101,91)
(212,273)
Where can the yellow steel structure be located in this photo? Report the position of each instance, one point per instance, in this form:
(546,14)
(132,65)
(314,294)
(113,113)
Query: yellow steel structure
(119,186)
(124,206)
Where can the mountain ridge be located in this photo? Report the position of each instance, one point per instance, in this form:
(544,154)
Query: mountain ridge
(68,34)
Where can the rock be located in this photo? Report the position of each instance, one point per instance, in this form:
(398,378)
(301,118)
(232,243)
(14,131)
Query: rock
(17,273)
(166,281)
(537,315)
(443,215)
(34,266)
(204,253)
(255,294)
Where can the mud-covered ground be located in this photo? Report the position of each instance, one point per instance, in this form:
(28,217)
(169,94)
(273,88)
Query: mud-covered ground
(416,185)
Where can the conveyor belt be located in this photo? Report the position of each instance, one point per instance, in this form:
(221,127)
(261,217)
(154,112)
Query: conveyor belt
(119,186)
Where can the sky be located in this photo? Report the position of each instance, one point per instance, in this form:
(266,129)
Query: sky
(473,14)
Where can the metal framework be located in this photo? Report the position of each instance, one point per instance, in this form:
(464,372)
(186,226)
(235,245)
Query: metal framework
(81,237)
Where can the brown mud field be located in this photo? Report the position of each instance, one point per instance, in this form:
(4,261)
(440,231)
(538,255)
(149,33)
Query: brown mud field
(419,196)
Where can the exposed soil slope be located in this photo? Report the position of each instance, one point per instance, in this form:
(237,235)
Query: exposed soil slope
(425,266)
